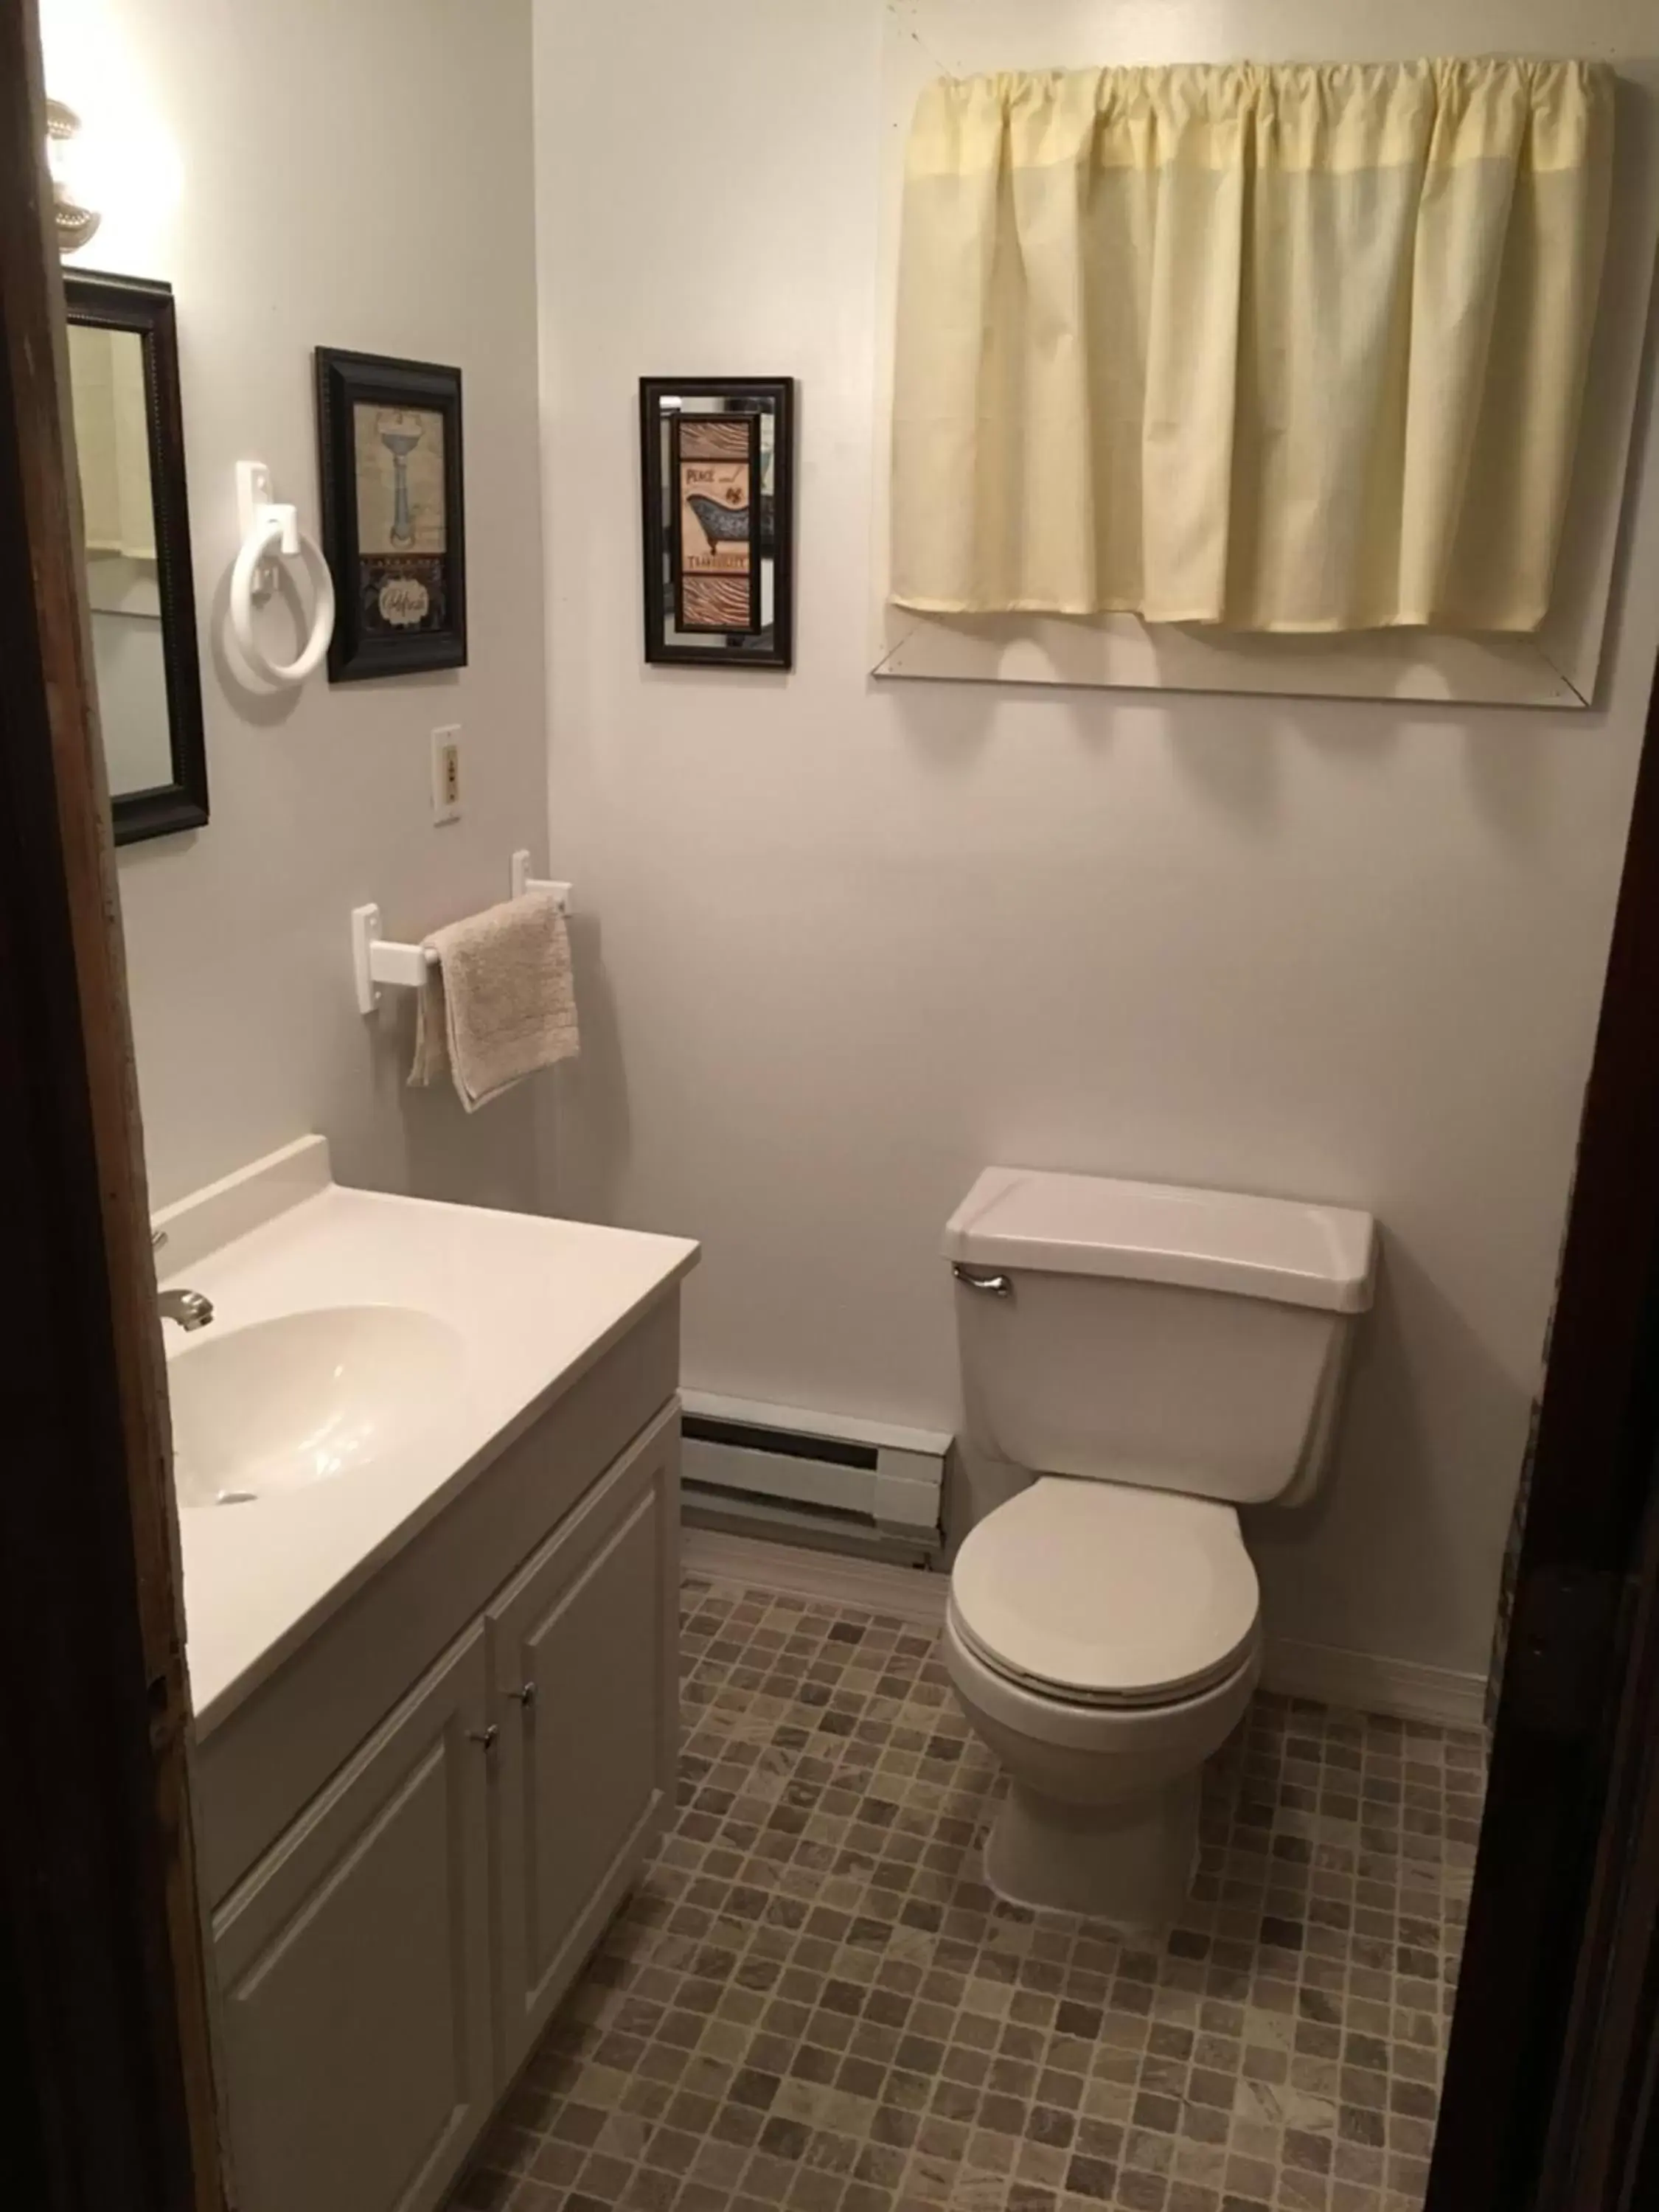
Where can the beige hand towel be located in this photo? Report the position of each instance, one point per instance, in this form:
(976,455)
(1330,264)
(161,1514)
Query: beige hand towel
(499,1001)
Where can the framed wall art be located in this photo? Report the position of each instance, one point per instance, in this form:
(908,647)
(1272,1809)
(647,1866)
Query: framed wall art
(389,434)
(717,470)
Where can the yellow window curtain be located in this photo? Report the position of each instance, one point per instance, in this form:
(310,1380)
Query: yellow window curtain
(1284,349)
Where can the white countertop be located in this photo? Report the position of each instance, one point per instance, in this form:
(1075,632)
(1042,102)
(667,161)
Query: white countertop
(535,1301)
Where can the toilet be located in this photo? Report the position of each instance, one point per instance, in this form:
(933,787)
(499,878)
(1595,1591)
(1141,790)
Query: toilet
(1148,1359)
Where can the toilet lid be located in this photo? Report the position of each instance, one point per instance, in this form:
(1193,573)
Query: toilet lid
(1108,1593)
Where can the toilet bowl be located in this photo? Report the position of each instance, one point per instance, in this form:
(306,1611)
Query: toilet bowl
(1104,1641)
(1150,1358)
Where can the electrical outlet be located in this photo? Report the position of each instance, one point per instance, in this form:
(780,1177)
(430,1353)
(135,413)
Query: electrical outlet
(446,775)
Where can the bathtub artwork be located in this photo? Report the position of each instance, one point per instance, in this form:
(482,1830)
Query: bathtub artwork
(716,456)
(717,579)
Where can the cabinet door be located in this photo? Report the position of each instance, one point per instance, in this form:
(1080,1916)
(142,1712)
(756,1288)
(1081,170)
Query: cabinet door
(584,1664)
(354,1964)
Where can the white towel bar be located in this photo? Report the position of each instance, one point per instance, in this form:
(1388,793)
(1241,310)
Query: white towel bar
(376,960)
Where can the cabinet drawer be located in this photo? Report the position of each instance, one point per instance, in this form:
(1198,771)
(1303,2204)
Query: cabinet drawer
(583,1666)
(355,1966)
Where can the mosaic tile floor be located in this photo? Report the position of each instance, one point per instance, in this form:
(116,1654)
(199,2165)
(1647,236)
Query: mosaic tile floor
(811,2001)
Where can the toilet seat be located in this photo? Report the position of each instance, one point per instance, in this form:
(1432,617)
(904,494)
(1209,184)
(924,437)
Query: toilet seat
(1101,1594)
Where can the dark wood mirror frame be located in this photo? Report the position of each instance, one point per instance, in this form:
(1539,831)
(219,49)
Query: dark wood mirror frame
(131,303)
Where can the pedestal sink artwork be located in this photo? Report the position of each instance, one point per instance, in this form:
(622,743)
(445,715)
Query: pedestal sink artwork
(400,432)
(270,1409)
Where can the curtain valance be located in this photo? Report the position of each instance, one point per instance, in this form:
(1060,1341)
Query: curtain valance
(1284,349)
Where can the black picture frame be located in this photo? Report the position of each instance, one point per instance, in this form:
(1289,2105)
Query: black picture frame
(368,641)
(745,643)
(145,307)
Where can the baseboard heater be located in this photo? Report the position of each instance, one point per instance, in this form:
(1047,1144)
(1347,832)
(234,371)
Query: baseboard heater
(820,1478)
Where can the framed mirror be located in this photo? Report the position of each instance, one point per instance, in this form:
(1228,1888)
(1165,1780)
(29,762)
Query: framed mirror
(130,443)
(717,470)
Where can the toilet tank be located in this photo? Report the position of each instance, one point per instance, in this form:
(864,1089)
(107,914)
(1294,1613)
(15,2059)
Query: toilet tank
(1178,1339)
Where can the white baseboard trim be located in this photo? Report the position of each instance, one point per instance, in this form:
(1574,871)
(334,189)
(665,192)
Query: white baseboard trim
(1358,1680)
(1364,1683)
(910,1594)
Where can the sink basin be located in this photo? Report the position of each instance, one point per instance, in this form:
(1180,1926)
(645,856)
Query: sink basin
(273,1408)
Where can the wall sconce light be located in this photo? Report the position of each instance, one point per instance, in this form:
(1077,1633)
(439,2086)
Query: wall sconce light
(75,223)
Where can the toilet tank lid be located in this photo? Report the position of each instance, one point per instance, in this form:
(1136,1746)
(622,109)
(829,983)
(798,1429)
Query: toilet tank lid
(1217,1240)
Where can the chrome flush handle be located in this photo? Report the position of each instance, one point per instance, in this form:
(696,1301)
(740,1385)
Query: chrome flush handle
(996,1287)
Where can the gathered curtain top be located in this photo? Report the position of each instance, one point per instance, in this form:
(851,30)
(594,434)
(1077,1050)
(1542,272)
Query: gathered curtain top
(1329,116)
(1280,348)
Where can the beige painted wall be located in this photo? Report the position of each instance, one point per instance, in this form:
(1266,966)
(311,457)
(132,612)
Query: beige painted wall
(353,176)
(851,942)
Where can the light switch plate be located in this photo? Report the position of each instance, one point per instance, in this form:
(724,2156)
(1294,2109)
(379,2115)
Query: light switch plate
(447,774)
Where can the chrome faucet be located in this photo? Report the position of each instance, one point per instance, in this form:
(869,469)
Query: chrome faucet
(192,1310)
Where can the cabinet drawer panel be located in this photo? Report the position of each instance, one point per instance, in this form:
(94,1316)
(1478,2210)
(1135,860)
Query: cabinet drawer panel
(354,1965)
(588,1769)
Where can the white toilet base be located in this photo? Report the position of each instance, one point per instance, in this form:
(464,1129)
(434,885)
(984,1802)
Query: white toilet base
(1102,1812)
(1129,1863)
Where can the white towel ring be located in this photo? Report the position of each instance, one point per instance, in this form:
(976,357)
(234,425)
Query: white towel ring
(276,528)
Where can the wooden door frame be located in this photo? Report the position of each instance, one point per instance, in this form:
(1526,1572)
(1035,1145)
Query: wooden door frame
(103,1952)
(1602,2147)
(1549,2101)
(1543,2106)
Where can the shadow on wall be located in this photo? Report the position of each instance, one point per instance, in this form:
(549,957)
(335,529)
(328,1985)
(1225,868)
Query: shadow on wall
(1237,764)
(948,725)
(1517,1530)
(1233,757)
(587,1117)
(1383,1522)
(501,1156)
(494,1158)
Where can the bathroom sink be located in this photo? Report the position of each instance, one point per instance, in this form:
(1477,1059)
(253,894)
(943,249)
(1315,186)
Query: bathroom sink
(270,1409)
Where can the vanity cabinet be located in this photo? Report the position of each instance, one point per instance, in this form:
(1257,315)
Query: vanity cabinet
(387,1961)
(584,1663)
(354,1969)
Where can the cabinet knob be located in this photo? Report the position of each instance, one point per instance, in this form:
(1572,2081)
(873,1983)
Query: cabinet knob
(485,1736)
(526,1694)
